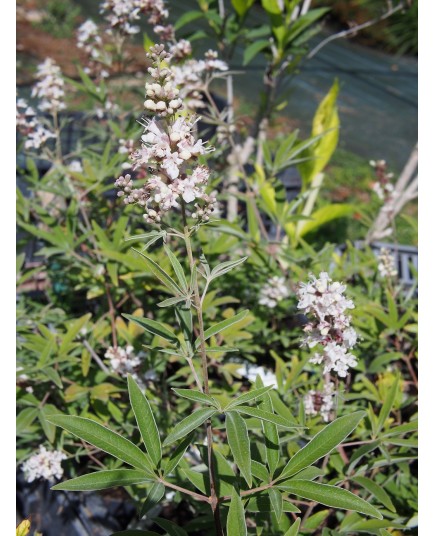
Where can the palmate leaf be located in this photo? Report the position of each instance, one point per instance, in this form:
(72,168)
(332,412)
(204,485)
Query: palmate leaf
(103,480)
(330,496)
(323,443)
(145,420)
(104,439)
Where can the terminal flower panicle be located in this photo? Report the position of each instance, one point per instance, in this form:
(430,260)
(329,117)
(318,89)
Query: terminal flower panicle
(49,87)
(387,264)
(169,150)
(324,300)
(29,126)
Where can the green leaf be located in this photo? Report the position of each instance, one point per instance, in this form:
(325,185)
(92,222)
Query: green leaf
(187,17)
(103,480)
(49,429)
(177,267)
(330,496)
(171,301)
(25,419)
(160,274)
(104,439)
(325,215)
(276,501)
(197,396)
(293,530)
(156,328)
(145,421)
(323,443)
(326,122)
(262,503)
(155,494)
(247,397)
(225,267)
(53,375)
(252,50)
(271,434)
(135,532)
(177,454)
(236,522)
(376,490)
(266,416)
(189,424)
(220,326)
(239,443)
(260,471)
(272,7)
(388,404)
(74,328)
(169,527)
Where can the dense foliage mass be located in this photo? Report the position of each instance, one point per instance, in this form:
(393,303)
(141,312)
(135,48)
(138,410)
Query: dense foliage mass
(186,329)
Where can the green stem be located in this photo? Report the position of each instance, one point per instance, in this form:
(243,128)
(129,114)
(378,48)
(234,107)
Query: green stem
(197,302)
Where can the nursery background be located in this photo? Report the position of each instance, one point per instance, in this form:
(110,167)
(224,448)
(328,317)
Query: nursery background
(217,267)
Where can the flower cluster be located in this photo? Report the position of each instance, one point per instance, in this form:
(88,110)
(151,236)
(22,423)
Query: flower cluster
(382,187)
(387,264)
(121,14)
(88,36)
(320,402)
(90,41)
(273,292)
(192,76)
(122,360)
(29,126)
(168,149)
(162,94)
(49,87)
(45,464)
(325,301)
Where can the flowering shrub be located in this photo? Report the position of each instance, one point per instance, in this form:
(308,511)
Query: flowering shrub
(180,364)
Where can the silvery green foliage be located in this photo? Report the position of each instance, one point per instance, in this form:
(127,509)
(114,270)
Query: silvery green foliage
(187,387)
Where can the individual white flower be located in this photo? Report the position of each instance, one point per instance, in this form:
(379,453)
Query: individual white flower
(45,464)
(387,264)
(273,292)
(75,166)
